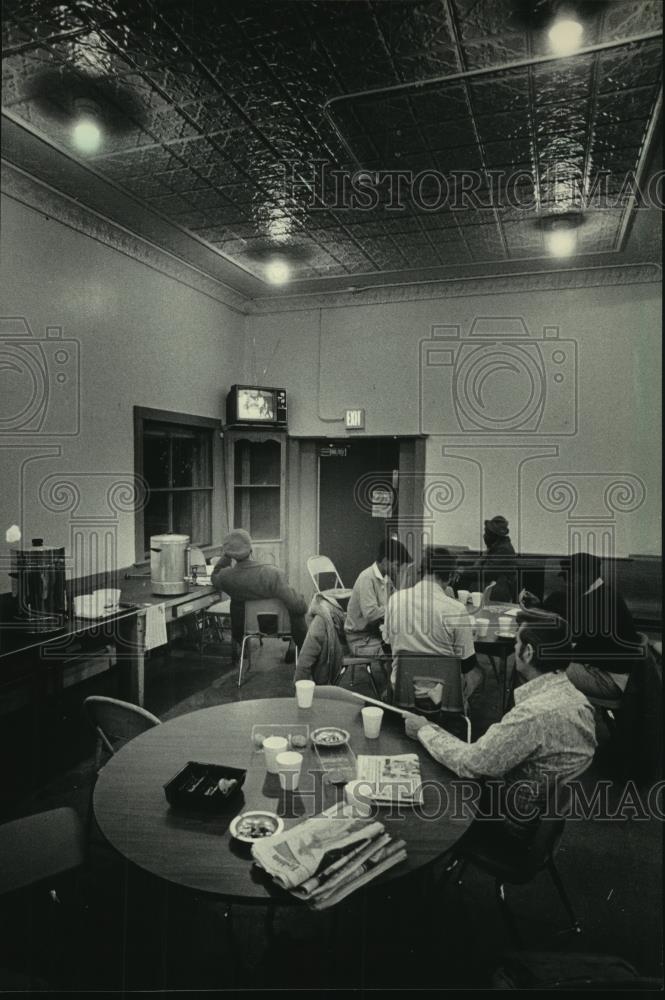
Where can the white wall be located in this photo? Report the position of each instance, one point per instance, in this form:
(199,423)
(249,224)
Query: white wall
(144,339)
(368,356)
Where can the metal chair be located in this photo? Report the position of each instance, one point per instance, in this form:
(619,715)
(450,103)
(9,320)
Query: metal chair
(321,565)
(351,662)
(264,619)
(40,847)
(115,722)
(42,900)
(433,670)
(514,861)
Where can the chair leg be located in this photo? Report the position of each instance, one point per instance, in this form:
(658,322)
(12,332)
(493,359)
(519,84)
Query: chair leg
(576,926)
(245,640)
(468,728)
(373,682)
(507,912)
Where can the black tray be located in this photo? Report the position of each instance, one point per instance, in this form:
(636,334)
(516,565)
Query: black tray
(207,776)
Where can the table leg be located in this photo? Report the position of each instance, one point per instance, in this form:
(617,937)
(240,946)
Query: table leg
(131,653)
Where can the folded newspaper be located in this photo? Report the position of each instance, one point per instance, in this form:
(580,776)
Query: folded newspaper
(324,859)
(391,779)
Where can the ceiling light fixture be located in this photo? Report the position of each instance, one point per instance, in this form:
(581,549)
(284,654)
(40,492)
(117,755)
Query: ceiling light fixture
(560,233)
(565,36)
(86,131)
(278,272)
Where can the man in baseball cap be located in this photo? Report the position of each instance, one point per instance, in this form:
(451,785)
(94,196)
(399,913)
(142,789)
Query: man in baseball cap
(247,579)
(497,565)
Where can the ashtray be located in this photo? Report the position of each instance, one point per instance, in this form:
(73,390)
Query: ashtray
(204,786)
(254,825)
(330,736)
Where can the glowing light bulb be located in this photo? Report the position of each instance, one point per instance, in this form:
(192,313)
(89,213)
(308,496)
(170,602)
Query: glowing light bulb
(278,272)
(561,242)
(87,135)
(565,36)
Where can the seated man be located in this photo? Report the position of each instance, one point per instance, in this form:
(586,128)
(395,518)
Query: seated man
(601,626)
(425,619)
(549,735)
(497,565)
(367,605)
(250,580)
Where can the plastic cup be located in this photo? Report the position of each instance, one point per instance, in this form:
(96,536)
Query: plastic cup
(272,746)
(288,766)
(506,623)
(357,795)
(463,596)
(372,719)
(305,693)
(476,598)
(482,625)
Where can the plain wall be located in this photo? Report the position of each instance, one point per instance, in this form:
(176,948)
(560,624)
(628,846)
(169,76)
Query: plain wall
(607,458)
(145,339)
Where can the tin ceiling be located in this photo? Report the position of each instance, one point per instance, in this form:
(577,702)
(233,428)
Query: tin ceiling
(235,128)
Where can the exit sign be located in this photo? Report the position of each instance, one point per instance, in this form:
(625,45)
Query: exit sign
(355,420)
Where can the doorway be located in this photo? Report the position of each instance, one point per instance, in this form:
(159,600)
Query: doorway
(358,500)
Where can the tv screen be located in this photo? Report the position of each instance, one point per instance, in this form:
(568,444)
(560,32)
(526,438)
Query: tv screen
(256,404)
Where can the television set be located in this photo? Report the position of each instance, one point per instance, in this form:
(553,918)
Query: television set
(256,405)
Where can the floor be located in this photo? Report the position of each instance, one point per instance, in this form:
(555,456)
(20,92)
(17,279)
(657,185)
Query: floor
(127,934)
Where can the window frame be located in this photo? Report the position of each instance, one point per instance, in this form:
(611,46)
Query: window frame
(143,414)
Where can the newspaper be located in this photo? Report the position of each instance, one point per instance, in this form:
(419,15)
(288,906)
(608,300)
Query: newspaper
(391,779)
(323,859)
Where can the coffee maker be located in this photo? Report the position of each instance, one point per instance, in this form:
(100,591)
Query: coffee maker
(170,563)
(38,584)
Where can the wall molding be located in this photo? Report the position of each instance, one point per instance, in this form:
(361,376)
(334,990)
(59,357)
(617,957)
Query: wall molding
(41,197)
(453,288)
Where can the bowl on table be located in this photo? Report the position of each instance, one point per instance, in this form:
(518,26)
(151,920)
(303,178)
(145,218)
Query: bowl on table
(330,736)
(255,824)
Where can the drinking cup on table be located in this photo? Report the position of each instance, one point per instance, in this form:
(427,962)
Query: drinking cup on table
(272,746)
(463,596)
(288,766)
(506,623)
(305,693)
(372,719)
(481,625)
(476,598)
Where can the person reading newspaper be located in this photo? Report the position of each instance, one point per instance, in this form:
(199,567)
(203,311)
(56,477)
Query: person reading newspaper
(550,734)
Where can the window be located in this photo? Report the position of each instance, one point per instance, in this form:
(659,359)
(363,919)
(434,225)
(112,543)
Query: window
(174,454)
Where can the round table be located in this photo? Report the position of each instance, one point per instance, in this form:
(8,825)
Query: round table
(196,851)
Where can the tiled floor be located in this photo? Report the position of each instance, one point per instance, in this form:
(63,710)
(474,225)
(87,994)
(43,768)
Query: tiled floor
(135,935)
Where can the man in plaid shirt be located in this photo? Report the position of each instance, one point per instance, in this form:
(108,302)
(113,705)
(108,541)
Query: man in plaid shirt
(550,734)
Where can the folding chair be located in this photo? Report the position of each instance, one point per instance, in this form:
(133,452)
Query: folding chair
(318,566)
(429,671)
(115,722)
(264,619)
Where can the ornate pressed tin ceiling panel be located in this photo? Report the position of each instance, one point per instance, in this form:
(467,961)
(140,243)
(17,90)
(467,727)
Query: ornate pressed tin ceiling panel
(362,140)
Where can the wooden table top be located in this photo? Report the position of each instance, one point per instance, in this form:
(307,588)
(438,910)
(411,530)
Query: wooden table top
(196,850)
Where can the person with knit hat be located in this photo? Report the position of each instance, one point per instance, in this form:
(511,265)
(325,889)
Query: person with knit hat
(498,564)
(246,579)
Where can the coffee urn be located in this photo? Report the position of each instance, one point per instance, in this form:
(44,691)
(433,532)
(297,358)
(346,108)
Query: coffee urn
(38,583)
(169,563)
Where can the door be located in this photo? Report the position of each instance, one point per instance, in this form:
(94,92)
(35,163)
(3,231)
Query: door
(358,487)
